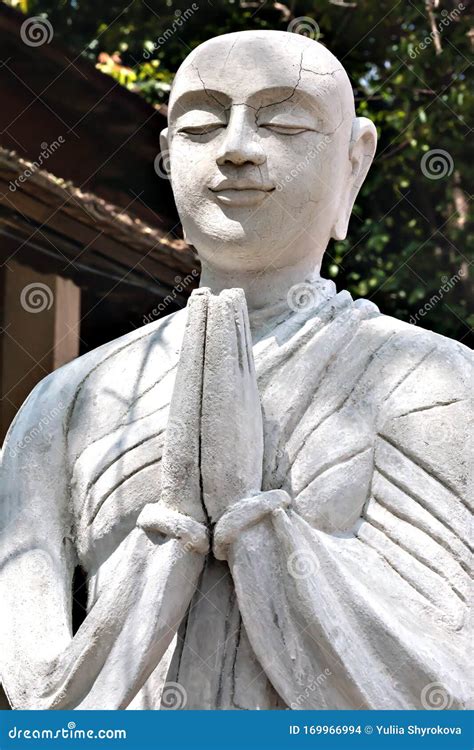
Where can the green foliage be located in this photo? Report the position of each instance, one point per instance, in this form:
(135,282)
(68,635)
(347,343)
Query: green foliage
(409,232)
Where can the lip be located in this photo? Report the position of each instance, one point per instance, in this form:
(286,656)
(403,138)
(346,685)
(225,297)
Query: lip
(241,192)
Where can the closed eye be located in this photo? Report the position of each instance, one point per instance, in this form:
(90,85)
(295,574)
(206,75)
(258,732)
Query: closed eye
(210,127)
(283,129)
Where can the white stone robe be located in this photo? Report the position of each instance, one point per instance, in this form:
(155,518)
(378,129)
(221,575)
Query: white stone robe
(353,596)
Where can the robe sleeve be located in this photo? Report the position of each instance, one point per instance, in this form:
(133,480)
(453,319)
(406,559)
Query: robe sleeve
(374,617)
(123,637)
(156,567)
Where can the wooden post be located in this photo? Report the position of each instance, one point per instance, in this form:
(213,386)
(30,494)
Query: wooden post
(39,332)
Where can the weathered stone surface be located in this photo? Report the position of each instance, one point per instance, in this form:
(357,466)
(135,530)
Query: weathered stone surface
(268,491)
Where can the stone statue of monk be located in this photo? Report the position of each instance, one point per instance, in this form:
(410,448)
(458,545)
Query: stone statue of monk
(267,490)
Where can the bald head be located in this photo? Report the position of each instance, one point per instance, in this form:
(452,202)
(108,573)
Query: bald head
(263,67)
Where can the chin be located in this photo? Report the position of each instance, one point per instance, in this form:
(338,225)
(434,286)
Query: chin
(226,240)
(229,257)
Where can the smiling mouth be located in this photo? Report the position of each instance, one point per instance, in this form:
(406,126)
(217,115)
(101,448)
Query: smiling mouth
(245,194)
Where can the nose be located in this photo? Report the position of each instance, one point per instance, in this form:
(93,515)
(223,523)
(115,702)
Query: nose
(240,145)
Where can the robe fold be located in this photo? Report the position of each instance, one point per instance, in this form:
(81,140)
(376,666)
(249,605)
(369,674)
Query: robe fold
(354,596)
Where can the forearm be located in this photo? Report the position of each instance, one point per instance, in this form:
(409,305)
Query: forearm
(123,637)
(332,624)
(144,612)
(258,538)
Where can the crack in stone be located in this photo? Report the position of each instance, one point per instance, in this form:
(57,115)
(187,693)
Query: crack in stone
(280,101)
(207,92)
(315,72)
(228,54)
(286,98)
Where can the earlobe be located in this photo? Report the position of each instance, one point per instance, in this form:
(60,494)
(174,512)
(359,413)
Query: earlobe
(164,140)
(361,153)
(165,154)
(362,150)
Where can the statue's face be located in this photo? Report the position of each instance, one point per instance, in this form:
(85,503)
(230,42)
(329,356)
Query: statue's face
(259,134)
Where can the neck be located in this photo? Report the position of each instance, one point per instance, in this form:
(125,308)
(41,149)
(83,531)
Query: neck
(262,288)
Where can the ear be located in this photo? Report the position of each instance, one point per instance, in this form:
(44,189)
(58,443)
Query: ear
(361,153)
(164,139)
(164,150)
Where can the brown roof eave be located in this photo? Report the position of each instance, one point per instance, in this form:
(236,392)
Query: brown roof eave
(86,230)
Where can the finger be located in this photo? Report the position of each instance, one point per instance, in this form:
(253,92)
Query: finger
(249,343)
(180,464)
(220,354)
(223,359)
(220,396)
(245,344)
(235,299)
(231,427)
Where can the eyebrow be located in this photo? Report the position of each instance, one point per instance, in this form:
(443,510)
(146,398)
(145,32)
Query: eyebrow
(273,95)
(191,97)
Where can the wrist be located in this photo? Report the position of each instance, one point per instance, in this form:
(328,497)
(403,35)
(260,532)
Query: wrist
(243,514)
(159,518)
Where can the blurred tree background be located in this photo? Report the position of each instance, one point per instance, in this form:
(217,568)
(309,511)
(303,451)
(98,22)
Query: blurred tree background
(410,242)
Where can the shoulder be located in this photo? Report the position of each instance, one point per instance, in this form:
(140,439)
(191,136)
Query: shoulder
(432,356)
(119,366)
(426,407)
